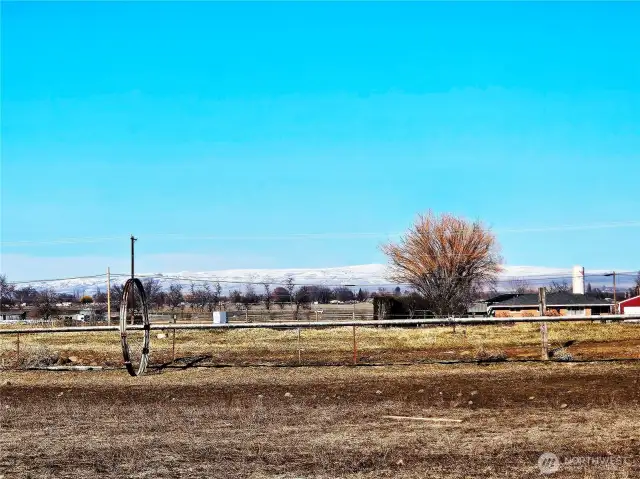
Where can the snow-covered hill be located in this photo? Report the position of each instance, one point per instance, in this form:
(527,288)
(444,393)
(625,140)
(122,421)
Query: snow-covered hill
(369,276)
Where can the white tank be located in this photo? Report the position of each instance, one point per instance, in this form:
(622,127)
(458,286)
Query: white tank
(578,280)
(219,317)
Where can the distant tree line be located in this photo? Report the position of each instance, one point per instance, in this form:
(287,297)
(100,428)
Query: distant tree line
(208,296)
(200,296)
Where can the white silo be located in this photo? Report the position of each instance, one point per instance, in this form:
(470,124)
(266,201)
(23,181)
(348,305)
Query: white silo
(578,280)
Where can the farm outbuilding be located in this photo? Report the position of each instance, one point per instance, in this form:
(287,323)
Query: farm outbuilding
(392,307)
(565,304)
(630,306)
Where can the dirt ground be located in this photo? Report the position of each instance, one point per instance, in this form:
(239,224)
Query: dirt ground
(323,422)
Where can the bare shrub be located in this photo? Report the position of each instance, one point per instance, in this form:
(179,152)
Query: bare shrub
(561,354)
(38,357)
(490,355)
(503,314)
(529,313)
(46,307)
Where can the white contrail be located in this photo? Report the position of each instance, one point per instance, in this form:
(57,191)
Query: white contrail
(593,226)
(295,236)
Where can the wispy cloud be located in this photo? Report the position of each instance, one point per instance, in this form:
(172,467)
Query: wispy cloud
(20,267)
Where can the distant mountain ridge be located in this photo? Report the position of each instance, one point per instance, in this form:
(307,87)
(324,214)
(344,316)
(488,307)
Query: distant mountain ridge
(368,276)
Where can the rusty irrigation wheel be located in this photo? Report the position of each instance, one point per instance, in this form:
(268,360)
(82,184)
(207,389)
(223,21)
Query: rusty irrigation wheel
(135,342)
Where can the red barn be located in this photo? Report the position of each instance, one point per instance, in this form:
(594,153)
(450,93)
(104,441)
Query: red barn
(630,306)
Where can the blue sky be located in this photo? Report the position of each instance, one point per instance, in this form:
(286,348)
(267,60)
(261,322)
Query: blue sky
(255,121)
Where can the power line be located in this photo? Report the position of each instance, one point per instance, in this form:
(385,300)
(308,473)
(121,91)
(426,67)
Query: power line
(57,279)
(351,280)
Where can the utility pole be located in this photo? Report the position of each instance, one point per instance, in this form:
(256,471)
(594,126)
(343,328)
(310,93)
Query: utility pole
(108,296)
(133,290)
(133,240)
(615,304)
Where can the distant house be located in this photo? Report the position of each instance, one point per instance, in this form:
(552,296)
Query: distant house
(567,304)
(83,315)
(13,316)
(630,306)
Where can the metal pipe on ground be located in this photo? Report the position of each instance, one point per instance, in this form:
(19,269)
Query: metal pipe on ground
(328,324)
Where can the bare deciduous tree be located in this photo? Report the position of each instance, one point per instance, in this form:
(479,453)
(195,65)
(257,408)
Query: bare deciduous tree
(290,286)
(117,290)
(153,290)
(521,286)
(207,297)
(342,293)
(26,294)
(200,296)
(267,296)
(412,302)
(217,291)
(446,259)
(301,299)
(7,291)
(249,296)
(46,304)
(78,293)
(321,294)
(235,297)
(175,297)
(559,287)
(100,296)
(212,296)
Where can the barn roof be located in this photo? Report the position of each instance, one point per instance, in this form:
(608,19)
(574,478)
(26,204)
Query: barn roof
(629,300)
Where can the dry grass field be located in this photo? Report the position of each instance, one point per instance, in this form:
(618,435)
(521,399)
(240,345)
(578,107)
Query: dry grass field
(323,422)
(333,346)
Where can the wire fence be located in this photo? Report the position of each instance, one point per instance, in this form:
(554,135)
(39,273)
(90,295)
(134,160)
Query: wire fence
(314,343)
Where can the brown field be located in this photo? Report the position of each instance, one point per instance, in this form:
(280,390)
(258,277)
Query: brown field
(181,420)
(322,422)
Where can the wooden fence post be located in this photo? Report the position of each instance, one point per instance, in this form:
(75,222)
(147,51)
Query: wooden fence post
(542,301)
(18,351)
(173,343)
(544,336)
(544,332)
(355,347)
(299,350)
